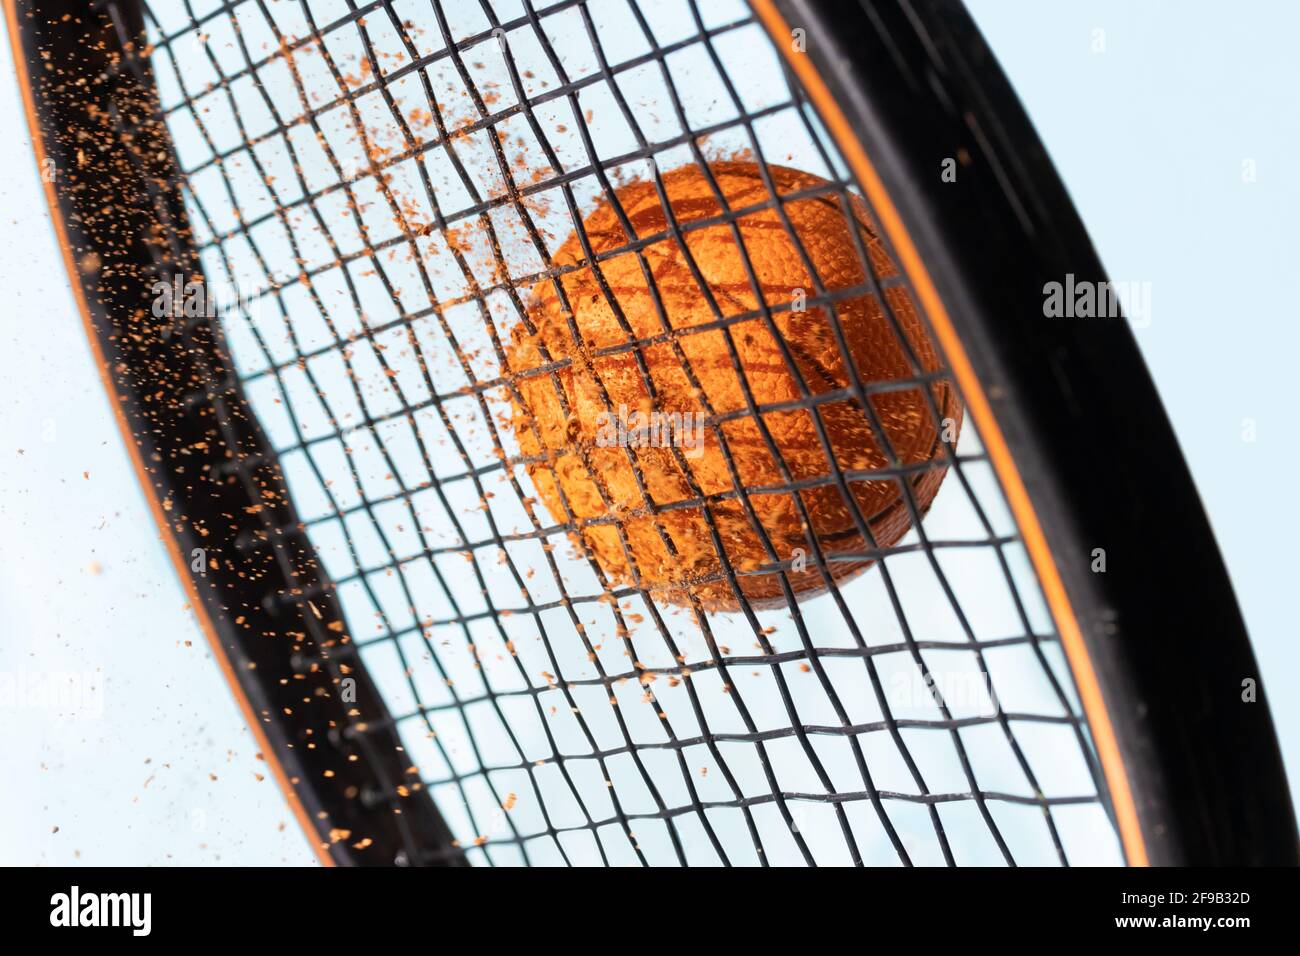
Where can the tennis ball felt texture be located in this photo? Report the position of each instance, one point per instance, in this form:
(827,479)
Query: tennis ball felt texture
(664,515)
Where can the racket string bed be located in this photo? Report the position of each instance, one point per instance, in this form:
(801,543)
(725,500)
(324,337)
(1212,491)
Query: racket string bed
(385,185)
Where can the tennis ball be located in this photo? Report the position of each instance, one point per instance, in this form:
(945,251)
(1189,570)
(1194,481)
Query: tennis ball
(632,403)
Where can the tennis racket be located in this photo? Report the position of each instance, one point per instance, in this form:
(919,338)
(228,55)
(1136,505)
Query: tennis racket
(601,432)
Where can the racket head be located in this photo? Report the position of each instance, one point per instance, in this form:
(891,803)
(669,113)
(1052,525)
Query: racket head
(899,89)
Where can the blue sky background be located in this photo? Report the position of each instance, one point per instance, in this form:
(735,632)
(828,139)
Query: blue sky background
(1150,134)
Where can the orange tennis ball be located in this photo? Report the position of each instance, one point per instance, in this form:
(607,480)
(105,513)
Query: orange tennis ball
(631,399)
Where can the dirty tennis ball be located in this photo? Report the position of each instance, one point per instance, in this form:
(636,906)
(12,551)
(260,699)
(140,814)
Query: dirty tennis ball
(647,482)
